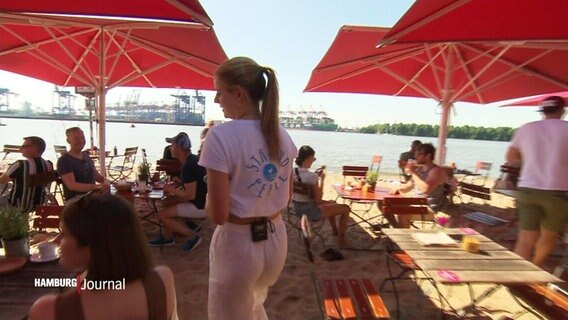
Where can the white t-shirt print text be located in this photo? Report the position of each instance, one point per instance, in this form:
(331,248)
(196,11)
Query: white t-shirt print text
(267,173)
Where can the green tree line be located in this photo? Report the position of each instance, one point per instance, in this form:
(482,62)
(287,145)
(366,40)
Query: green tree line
(426,130)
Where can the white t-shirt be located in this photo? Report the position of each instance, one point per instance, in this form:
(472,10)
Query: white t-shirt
(308,178)
(544,151)
(258,186)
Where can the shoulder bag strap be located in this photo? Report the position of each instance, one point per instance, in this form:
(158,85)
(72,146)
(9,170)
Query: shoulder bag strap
(298,175)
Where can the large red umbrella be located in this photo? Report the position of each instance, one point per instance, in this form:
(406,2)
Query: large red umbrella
(535,101)
(103,52)
(173,10)
(446,72)
(430,21)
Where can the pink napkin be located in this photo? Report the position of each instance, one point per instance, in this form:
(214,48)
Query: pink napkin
(468,231)
(448,276)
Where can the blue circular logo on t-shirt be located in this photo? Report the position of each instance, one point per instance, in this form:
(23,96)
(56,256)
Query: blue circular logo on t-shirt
(269,171)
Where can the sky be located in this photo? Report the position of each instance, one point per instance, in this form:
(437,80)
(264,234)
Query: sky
(292,36)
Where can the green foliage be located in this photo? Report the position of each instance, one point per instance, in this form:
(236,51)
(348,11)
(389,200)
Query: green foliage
(14,223)
(372,177)
(144,169)
(426,130)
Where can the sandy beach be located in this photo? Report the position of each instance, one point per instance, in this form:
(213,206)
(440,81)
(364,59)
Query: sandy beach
(293,296)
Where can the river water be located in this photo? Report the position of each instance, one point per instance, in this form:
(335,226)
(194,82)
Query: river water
(333,149)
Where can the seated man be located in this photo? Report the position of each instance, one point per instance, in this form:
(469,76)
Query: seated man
(77,169)
(427,179)
(21,195)
(192,189)
(317,208)
(408,155)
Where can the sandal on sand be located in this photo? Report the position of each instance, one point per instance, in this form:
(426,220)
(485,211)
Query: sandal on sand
(331,255)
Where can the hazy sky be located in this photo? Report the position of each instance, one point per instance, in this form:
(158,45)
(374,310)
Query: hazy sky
(292,36)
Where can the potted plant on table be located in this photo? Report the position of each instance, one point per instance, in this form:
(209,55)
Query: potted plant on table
(14,231)
(371,179)
(144,171)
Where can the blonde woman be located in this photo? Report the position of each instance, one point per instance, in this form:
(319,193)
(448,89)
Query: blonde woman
(249,170)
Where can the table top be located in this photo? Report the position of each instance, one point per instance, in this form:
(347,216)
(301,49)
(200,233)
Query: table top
(17,290)
(451,264)
(356,194)
(509,193)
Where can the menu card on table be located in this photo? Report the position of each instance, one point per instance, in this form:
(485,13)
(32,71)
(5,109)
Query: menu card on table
(434,239)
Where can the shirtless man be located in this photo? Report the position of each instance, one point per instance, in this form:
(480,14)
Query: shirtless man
(427,179)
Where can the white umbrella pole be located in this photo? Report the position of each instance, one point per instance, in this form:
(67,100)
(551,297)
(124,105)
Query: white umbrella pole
(102,112)
(446,107)
(443,133)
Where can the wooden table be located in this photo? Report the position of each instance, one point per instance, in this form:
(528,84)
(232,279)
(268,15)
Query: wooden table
(494,264)
(369,198)
(17,290)
(357,195)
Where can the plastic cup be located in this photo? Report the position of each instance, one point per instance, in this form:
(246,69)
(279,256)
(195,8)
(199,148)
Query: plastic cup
(470,244)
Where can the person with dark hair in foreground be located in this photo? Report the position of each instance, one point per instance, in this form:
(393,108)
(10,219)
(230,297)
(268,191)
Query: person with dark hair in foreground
(103,239)
(540,148)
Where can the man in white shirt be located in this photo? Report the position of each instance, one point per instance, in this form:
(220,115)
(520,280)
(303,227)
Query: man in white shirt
(542,201)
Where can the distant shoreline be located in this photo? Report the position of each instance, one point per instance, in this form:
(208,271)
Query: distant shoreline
(42,117)
(78,118)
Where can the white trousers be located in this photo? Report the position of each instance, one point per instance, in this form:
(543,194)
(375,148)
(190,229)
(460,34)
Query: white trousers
(240,270)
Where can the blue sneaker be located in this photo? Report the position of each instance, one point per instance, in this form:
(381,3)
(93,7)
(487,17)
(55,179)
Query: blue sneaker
(161,241)
(192,225)
(191,243)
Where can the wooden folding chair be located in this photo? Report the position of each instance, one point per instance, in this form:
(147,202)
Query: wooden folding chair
(346,298)
(44,180)
(376,163)
(47,217)
(356,173)
(60,150)
(404,206)
(171,168)
(473,191)
(480,173)
(294,217)
(508,177)
(122,166)
(10,148)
